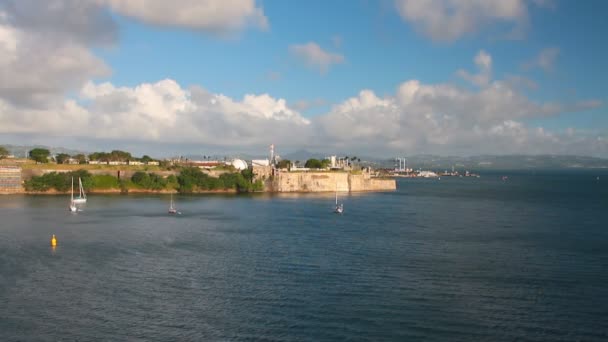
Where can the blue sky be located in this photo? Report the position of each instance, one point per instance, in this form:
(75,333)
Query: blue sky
(497,77)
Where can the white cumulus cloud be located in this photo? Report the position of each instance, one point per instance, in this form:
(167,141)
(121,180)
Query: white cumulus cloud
(162,112)
(209,15)
(50,87)
(449,20)
(37,68)
(545,59)
(314,56)
(484,63)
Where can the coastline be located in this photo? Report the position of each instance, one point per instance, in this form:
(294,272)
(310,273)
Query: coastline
(283,182)
(167,192)
(53,192)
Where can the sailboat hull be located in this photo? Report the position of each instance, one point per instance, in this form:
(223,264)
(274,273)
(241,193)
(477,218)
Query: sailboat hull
(172,209)
(80,200)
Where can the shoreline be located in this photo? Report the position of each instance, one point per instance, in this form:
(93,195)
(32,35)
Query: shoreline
(168,192)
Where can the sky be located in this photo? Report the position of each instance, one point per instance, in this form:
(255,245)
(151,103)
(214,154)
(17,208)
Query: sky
(379,78)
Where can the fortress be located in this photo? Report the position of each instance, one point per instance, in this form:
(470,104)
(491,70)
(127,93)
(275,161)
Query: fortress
(329,182)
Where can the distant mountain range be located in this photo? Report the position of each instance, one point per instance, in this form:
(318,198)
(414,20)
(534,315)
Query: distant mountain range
(505,162)
(497,162)
(431,162)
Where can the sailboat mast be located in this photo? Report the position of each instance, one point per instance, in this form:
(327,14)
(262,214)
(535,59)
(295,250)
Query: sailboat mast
(72,192)
(81,189)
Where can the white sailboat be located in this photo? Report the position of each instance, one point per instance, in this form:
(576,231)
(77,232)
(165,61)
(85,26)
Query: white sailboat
(72,206)
(82,197)
(339,209)
(172,209)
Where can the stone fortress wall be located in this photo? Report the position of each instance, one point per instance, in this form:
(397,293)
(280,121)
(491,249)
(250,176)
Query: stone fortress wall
(330,182)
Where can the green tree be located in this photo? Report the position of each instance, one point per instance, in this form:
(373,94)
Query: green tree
(60,181)
(258,185)
(146,158)
(149,180)
(248,174)
(172,182)
(118,155)
(189,179)
(101,156)
(284,164)
(82,159)
(40,155)
(62,158)
(313,164)
(3,152)
(141,178)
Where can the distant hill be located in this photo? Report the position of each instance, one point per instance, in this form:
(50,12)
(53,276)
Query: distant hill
(303,155)
(423,161)
(497,162)
(440,163)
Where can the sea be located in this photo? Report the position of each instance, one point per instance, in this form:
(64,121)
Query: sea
(450,259)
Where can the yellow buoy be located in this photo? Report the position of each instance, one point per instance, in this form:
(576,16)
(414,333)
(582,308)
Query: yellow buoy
(53,241)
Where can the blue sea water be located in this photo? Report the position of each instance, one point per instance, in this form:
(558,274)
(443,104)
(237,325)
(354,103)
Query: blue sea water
(456,259)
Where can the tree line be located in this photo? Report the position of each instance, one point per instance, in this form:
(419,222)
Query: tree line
(192,179)
(62,181)
(43,155)
(189,180)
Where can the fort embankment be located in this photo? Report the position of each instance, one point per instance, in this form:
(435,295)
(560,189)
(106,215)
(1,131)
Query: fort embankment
(12,177)
(330,182)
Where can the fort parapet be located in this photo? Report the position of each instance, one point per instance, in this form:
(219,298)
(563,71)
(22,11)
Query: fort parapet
(10,179)
(330,182)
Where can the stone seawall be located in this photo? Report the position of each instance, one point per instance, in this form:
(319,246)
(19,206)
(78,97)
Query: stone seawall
(329,182)
(10,179)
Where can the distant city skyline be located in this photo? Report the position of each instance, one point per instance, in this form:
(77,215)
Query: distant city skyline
(376,78)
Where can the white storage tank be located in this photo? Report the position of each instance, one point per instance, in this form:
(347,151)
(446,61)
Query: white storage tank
(239,164)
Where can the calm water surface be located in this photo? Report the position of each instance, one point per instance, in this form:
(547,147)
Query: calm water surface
(456,259)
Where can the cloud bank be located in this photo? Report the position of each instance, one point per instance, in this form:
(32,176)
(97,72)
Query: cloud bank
(449,20)
(418,117)
(63,95)
(209,15)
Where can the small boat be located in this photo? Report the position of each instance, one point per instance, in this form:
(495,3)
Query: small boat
(82,197)
(339,209)
(172,209)
(72,206)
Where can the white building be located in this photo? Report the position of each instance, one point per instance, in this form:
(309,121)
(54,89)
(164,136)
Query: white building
(260,162)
